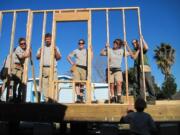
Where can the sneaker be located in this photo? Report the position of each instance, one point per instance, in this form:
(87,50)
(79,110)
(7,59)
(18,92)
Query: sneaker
(78,100)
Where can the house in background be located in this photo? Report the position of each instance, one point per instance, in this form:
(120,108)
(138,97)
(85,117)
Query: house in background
(65,91)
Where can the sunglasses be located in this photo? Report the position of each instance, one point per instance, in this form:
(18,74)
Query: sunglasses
(81,43)
(22,43)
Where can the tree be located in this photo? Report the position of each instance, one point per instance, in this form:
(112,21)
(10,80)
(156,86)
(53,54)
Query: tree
(169,86)
(165,57)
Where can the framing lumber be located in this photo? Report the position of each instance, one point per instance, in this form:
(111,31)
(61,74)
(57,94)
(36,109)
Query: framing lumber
(107,42)
(79,14)
(18,10)
(89,65)
(12,40)
(51,79)
(125,53)
(142,58)
(86,9)
(72,16)
(42,51)
(28,41)
(82,112)
(1,20)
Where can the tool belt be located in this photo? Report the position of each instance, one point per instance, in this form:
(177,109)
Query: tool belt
(46,66)
(113,70)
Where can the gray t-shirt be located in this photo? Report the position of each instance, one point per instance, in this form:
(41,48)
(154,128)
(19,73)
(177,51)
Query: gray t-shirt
(47,56)
(115,57)
(140,123)
(17,54)
(80,56)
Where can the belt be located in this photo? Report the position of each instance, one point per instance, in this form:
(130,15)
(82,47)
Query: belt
(46,65)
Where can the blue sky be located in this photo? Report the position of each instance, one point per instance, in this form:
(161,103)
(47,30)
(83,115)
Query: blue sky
(160,23)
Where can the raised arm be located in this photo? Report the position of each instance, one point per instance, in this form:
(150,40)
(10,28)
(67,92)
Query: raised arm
(104,50)
(145,45)
(133,55)
(57,54)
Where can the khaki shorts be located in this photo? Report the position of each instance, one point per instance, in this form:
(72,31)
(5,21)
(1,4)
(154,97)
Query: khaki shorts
(116,77)
(80,74)
(45,81)
(18,72)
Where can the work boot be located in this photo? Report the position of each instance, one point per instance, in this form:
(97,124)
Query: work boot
(78,100)
(81,99)
(119,99)
(113,100)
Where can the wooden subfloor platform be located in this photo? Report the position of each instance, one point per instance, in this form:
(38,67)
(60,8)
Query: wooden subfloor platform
(47,112)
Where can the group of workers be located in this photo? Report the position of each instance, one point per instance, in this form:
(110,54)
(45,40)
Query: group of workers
(14,80)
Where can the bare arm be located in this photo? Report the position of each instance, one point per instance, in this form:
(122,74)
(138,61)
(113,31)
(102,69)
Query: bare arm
(133,55)
(129,49)
(70,61)
(57,54)
(104,51)
(145,45)
(38,55)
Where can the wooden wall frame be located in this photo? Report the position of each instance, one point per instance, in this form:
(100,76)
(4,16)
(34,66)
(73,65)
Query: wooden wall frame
(63,15)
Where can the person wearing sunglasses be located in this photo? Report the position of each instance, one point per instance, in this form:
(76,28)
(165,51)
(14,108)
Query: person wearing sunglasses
(20,54)
(80,64)
(115,59)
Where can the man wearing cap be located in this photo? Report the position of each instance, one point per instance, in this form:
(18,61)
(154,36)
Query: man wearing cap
(46,64)
(80,73)
(115,60)
(18,59)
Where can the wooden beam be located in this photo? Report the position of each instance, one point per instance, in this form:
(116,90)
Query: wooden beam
(1,20)
(72,81)
(142,57)
(15,10)
(107,42)
(72,16)
(42,51)
(28,41)
(89,68)
(125,53)
(82,112)
(12,40)
(92,9)
(51,78)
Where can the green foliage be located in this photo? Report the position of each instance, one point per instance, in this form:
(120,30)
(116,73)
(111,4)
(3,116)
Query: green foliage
(165,57)
(169,86)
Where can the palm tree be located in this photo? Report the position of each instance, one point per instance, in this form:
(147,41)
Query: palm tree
(165,57)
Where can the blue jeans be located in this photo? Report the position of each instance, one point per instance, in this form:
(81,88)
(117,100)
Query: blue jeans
(149,86)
